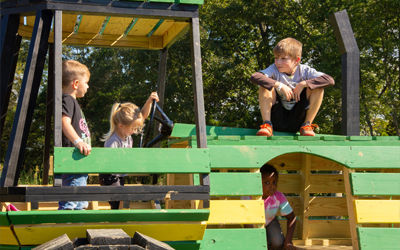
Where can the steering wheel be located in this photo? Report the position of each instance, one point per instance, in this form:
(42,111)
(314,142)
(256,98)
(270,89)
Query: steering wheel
(166,127)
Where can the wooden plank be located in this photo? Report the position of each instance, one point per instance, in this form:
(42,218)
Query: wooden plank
(119,160)
(143,27)
(4,221)
(236,212)
(166,25)
(93,216)
(321,206)
(91,24)
(184,245)
(173,231)
(377,211)
(375,183)
(325,229)
(149,243)
(379,238)
(69,22)
(235,184)
(7,237)
(362,157)
(174,32)
(108,237)
(350,207)
(234,239)
(62,242)
(117,25)
(319,183)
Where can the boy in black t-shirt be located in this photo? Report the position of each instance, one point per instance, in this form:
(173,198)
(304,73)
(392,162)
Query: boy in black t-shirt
(75,78)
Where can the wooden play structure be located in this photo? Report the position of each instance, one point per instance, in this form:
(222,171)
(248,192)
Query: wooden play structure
(208,169)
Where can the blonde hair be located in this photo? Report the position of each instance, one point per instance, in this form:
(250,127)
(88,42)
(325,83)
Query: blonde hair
(73,70)
(288,46)
(125,114)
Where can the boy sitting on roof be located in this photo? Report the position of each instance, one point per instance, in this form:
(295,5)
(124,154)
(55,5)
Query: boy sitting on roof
(285,105)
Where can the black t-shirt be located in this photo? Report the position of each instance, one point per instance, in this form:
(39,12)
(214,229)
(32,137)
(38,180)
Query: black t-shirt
(71,108)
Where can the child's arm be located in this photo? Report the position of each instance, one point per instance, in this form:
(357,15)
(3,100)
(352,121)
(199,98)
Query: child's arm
(71,134)
(291,225)
(146,108)
(319,82)
(269,83)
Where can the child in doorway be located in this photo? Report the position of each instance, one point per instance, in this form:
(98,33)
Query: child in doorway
(126,119)
(275,201)
(290,93)
(75,78)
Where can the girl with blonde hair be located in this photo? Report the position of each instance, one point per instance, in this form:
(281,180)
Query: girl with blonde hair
(126,119)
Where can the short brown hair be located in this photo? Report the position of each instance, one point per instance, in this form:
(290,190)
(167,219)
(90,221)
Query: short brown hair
(73,70)
(288,46)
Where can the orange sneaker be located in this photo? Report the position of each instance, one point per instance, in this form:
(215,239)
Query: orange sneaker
(308,129)
(266,130)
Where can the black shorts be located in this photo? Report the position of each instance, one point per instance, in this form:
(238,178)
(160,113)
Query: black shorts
(289,121)
(111,180)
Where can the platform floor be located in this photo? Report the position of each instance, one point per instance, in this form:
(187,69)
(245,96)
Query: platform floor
(316,247)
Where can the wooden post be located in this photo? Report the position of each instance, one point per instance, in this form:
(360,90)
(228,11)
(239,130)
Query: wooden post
(27,99)
(9,42)
(57,100)
(350,207)
(304,196)
(350,72)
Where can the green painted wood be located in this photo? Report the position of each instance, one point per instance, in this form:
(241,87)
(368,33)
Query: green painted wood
(308,138)
(161,1)
(360,138)
(9,247)
(184,245)
(185,130)
(4,221)
(88,216)
(234,239)
(353,157)
(334,138)
(378,238)
(229,137)
(131,160)
(386,138)
(190,1)
(375,183)
(235,184)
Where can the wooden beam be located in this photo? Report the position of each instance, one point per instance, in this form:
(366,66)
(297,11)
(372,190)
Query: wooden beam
(304,196)
(57,101)
(8,44)
(27,99)
(350,72)
(350,207)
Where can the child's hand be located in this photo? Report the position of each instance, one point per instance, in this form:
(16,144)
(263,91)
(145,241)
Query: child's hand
(153,96)
(288,92)
(289,246)
(84,148)
(299,88)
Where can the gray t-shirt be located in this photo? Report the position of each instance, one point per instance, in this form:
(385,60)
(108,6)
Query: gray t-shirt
(116,142)
(303,72)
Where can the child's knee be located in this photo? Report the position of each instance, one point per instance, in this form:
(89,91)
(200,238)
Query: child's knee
(318,92)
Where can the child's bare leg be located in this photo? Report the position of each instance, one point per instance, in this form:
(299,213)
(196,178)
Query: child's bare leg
(266,98)
(314,97)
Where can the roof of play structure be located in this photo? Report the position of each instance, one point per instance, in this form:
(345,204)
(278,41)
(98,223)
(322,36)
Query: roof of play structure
(154,24)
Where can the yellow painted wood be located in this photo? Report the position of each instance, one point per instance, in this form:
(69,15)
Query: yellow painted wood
(236,212)
(117,25)
(143,27)
(166,25)
(7,237)
(377,211)
(91,24)
(176,28)
(30,20)
(68,24)
(350,208)
(179,231)
(136,42)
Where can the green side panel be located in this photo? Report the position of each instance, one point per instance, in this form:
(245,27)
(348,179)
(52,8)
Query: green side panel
(131,160)
(386,138)
(185,130)
(27,247)
(379,238)
(360,138)
(9,247)
(184,245)
(190,1)
(375,183)
(235,184)
(161,1)
(350,156)
(334,138)
(234,239)
(87,216)
(4,219)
